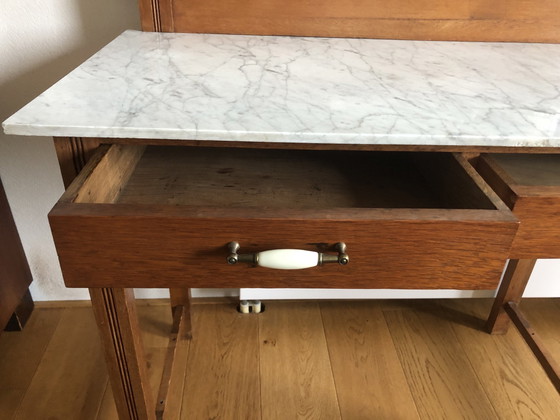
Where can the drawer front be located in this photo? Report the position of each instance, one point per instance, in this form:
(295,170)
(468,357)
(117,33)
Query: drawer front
(539,229)
(530,186)
(105,243)
(175,249)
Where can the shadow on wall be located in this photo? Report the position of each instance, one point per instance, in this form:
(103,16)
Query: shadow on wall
(40,42)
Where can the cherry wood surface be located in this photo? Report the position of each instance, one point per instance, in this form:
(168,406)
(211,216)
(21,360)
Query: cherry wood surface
(501,20)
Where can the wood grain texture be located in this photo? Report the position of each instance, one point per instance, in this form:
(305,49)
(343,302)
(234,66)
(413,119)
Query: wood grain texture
(529,170)
(539,229)
(512,20)
(73,153)
(183,298)
(102,180)
(197,245)
(475,240)
(72,366)
(513,380)
(505,367)
(117,321)
(329,146)
(156,15)
(170,394)
(530,186)
(544,356)
(155,322)
(288,178)
(543,314)
(223,366)
(500,181)
(21,354)
(297,381)
(458,183)
(15,276)
(440,375)
(369,378)
(511,289)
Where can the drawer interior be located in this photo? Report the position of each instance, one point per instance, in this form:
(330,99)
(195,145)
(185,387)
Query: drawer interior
(151,215)
(530,186)
(236,177)
(531,170)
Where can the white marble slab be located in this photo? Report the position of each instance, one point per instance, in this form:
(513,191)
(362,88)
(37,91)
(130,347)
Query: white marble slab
(312,90)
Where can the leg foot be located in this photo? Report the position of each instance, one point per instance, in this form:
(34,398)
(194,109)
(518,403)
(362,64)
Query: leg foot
(511,290)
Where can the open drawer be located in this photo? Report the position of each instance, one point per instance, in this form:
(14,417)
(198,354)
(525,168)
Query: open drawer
(530,186)
(163,217)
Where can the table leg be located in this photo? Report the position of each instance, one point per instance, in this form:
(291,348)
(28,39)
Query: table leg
(182,297)
(115,313)
(511,289)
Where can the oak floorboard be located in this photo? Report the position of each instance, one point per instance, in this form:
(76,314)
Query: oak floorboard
(222,380)
(509,373)
(369,378)
(16,372)
(439,373)
(71,378)
(296,377)
(544,316)
(50,370)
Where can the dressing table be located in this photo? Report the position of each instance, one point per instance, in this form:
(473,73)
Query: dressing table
(174,145)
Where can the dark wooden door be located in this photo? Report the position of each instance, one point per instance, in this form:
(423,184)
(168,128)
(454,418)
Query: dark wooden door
(15,276)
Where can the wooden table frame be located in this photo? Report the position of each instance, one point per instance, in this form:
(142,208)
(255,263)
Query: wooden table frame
(506,307)
(117,320)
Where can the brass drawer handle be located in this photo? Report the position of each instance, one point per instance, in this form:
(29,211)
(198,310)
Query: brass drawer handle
(288,259)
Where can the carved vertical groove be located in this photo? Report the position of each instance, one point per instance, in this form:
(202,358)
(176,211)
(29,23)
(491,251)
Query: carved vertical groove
(117,320)
(156,15)
(118,347)
(73,153)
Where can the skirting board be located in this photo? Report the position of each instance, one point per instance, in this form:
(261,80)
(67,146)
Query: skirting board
(292,294)
(544,283)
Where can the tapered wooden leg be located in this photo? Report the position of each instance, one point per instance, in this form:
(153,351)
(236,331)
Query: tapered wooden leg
(170,394)
(115,313)
(182,297)
(545,358)
(511,289)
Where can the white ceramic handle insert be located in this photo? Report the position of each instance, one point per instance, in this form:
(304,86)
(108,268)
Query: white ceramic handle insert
(288,259)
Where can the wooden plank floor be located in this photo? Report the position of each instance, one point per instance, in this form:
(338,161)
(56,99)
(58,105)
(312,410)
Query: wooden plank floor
(305,360)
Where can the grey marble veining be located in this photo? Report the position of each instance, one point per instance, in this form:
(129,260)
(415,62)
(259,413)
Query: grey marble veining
(312,90)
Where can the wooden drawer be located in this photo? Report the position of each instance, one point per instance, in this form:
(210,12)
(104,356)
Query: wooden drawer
(163,218)
(530,186)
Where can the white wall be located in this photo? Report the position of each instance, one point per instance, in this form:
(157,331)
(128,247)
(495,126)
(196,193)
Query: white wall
(41,41)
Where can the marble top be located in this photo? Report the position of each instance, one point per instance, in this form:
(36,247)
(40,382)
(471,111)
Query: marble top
(311,90)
